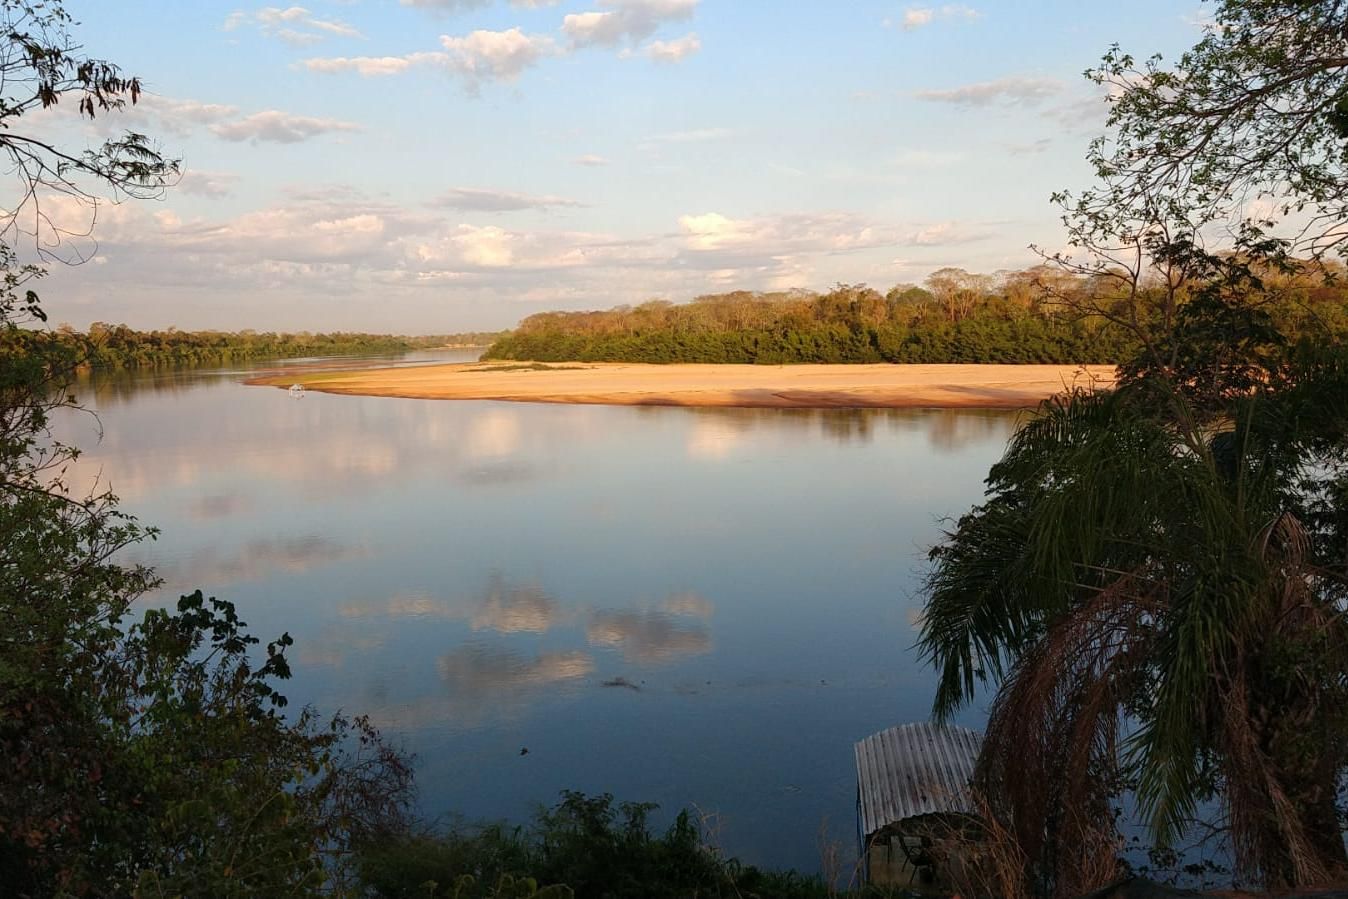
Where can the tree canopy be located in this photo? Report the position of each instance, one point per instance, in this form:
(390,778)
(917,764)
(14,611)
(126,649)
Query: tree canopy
(1155,588)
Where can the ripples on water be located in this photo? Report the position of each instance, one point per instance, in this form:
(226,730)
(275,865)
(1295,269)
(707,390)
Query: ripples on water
(697,607)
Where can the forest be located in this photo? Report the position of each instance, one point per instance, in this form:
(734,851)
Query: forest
(1041,315)
(106,347)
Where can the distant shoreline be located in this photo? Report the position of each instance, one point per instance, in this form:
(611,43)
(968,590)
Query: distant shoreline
(744,386)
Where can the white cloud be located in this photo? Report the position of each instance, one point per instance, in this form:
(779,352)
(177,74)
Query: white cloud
(590,160)
(295,25)
(916,17)
(1015,90)
(474,58)
(624,21)
(491,55)
(675,50)
(373,66)
(274,126)
(476,200)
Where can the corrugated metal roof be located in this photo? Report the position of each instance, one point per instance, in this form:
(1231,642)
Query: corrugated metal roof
(914,769)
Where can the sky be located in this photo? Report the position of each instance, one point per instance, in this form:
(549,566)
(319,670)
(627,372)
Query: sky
(436,166)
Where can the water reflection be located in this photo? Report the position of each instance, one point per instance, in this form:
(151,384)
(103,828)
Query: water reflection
(647,638)
(509,609)
(206,508)
(471,574)
(481,679)
(255,560)
(717,433)
(504,607)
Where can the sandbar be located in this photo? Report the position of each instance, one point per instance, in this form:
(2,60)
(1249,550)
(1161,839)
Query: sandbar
(749,386)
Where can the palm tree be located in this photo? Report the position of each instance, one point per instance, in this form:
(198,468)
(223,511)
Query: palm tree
(1156,590)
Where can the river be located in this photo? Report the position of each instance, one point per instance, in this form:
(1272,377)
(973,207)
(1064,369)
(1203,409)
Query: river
(699,608)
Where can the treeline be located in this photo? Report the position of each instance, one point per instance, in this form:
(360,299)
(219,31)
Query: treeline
(107,347)
(958,317)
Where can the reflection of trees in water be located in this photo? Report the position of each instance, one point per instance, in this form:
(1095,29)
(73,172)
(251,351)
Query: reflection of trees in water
(110,389)
(946,429)
(950,429)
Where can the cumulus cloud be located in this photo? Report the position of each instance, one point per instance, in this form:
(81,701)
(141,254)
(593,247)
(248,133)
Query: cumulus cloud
(474,58)
(624,21)
(491,55)
(1015,90)
(673,51)
(590,160)
(916,17)
(474,200)
(274,126)
(295,25)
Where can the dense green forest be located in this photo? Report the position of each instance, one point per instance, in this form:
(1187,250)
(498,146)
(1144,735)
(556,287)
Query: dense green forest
(107,347)
(1035,316)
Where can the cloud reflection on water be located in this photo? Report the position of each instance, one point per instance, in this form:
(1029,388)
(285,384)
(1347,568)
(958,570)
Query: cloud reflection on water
(647,638)
(257,559)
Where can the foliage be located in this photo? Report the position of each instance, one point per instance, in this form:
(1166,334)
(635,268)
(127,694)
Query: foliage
(1246,126)
(1184,573)
(585,846)
(851,324)
(1032,317)
(107,347)
(1156,584)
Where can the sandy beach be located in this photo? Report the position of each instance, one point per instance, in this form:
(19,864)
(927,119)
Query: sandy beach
(762,386)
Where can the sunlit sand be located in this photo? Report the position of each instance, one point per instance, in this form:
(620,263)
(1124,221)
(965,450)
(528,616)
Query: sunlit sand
(770,386)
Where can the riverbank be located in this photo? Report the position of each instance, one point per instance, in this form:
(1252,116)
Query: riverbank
(749,386)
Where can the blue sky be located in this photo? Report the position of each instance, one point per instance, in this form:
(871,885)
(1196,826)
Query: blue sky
(444,165)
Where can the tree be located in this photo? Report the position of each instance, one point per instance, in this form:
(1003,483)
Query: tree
(1247,127)
(41,66)
(1172,574)
(1156,585)
(958,291)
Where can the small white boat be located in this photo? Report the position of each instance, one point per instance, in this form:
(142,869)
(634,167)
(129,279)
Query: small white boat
(296,390)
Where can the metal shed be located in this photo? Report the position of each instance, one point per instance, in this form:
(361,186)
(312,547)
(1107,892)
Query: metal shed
(907,772)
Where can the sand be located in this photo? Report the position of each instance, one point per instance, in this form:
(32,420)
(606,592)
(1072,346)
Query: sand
(767,386)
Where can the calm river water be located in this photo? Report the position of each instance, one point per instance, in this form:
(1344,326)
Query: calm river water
(700,608)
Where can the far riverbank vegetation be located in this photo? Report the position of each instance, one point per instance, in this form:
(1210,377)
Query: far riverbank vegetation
(1041,315)
(105,347)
